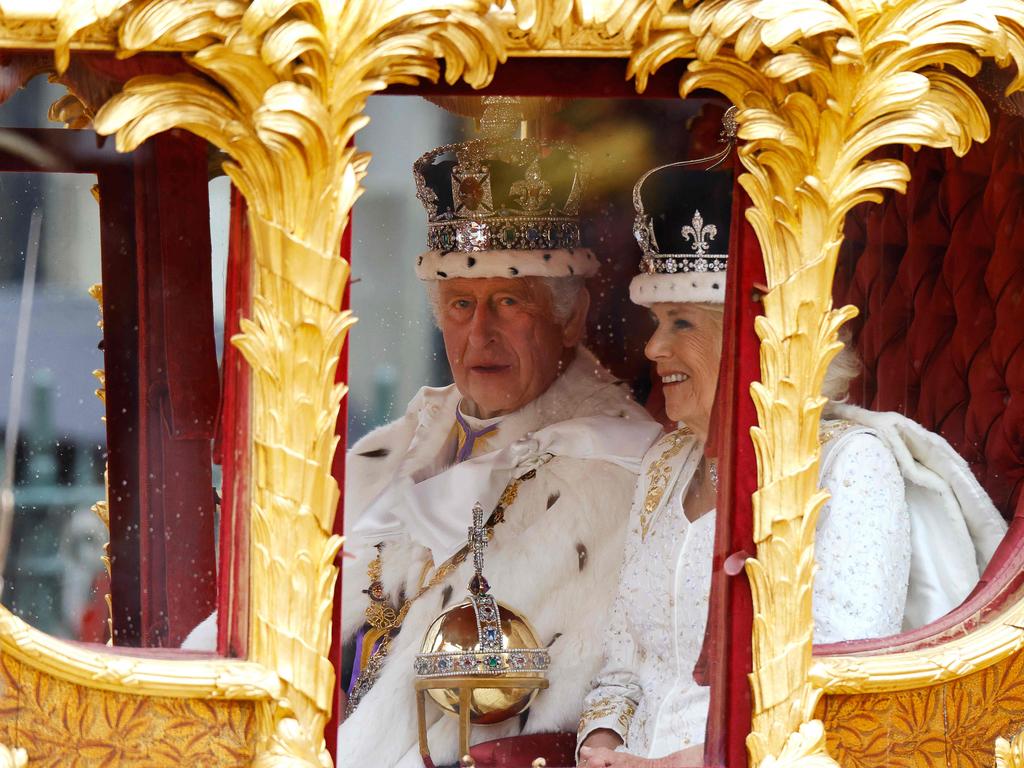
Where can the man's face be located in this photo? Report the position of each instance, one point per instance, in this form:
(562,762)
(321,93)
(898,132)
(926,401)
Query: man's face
(503,342)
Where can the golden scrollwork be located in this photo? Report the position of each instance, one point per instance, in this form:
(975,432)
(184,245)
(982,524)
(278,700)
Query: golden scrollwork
(280,91)
(102,506)
(136,675)
(65,724)
(995,641)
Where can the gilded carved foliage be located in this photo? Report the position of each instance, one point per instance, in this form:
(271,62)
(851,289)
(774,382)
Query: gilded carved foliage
(820,86)
(280,89)
(958,723)
(66,725)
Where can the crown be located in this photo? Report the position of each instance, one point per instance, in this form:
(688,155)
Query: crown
(503,193)
(513,194)
(683,216)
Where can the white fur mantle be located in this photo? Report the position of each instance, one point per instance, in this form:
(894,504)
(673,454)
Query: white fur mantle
(555,559)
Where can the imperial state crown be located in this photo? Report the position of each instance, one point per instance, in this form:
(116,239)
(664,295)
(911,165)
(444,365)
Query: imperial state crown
(502,206)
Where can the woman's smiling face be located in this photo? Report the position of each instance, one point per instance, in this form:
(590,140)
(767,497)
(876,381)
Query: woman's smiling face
(687,347)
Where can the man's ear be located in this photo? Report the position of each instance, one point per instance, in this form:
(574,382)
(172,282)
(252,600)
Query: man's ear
(572,332)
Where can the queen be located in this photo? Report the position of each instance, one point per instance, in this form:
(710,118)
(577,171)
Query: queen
(902,540)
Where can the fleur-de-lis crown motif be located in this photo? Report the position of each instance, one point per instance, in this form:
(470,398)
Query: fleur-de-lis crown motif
(663,195)
(700,233)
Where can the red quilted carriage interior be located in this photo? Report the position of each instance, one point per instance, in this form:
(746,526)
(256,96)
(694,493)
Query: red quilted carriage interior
(938,275)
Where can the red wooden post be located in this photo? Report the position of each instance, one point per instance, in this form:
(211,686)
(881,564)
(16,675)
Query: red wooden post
(179,389)
(338,470)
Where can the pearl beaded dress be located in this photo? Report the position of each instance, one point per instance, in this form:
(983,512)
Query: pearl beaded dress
(646,692)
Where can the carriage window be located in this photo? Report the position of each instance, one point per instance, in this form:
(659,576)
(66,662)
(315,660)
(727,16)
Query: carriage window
(493,289)
(934,371)
(54,575)
(110,402)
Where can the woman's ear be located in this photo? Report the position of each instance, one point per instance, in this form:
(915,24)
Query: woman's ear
(573,330)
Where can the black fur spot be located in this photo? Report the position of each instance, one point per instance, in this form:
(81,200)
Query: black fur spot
(581,553)
(571,270)
(553,498)
(470,261)
(514,271)
(553,639)
(694,285)
(441,274)
(715,286)
(547,257)
(376,453)
(419,261)
(446,595)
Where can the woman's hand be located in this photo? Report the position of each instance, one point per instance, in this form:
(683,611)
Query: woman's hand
(604,757)
(602,739)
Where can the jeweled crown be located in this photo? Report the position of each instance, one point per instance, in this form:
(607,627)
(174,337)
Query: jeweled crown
(683,215)
(500,192)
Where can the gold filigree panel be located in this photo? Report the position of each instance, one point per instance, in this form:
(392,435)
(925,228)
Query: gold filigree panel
(65,725)
(956,723)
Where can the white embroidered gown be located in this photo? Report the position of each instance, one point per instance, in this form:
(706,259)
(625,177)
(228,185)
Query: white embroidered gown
(646,692)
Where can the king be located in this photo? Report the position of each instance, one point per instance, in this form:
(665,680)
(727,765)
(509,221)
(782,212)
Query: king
(534,429)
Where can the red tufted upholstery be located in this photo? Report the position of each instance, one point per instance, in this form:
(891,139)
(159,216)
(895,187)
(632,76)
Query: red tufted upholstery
(939,278)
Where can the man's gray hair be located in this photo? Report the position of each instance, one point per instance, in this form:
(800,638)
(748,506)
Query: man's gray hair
(564,292)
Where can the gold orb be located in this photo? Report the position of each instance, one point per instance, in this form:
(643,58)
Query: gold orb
(452,648)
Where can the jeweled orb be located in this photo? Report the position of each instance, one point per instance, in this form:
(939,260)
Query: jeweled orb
(454,642)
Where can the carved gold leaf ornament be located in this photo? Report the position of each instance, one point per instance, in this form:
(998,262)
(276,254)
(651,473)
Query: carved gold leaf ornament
(280,91)
(102,506)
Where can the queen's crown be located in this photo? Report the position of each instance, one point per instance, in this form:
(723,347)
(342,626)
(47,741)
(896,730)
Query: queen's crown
(683,214)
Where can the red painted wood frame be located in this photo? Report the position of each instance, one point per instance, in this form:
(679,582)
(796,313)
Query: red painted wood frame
(232,449)
(179,388)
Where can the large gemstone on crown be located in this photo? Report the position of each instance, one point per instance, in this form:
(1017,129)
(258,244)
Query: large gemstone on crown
(509,236)
(471,235)
(456,632)
(471,192)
